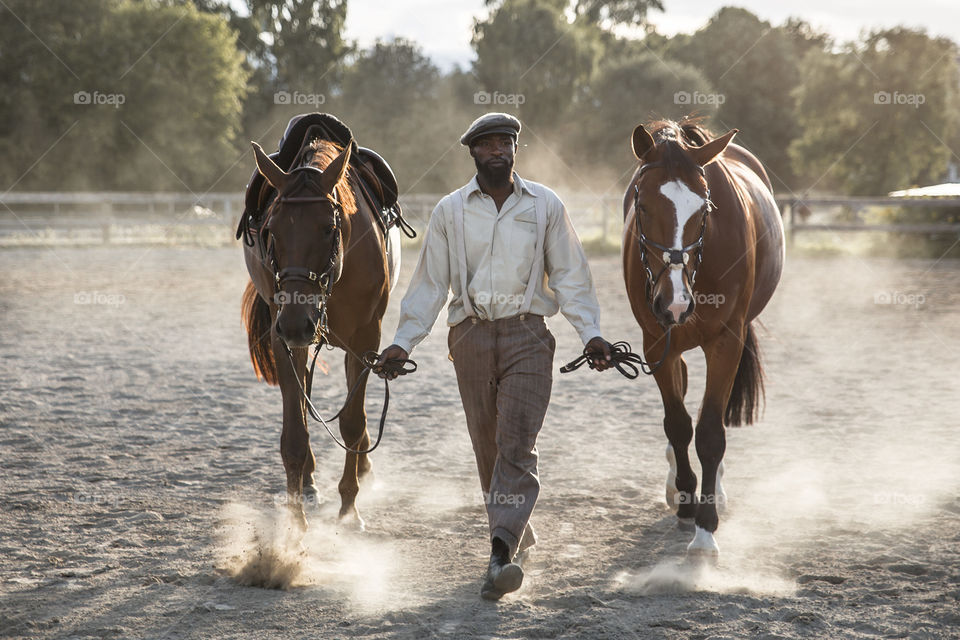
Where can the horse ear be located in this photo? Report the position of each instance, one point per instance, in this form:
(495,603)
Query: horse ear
(641,142)
(274,174)
(707,153)
(336,169)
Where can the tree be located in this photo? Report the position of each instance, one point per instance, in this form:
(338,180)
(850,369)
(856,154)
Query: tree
(531,60)
(879,115)
(612,12)
(306,39)
(755,69)
(396,102)
(115,94)
(625,92)
(603,12)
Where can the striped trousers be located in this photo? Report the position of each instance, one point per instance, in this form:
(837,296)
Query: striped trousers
(505,373)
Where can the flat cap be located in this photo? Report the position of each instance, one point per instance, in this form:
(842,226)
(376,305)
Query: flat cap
(491,123)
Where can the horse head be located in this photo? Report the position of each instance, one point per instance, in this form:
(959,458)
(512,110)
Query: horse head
(303,236)
(671,201)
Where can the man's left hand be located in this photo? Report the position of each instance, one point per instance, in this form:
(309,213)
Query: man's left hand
(599,351)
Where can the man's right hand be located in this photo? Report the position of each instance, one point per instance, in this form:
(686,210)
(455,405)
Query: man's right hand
(393,352)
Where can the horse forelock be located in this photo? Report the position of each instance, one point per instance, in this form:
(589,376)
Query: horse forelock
(673,141)
(320,154)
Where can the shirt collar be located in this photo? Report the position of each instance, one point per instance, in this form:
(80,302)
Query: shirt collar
(519,186)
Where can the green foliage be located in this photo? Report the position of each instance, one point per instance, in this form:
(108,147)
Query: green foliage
(198,78)
(755,68)
(625,92)
(114,94)
(877,116)
(306,40)
(532,57)
(396,102)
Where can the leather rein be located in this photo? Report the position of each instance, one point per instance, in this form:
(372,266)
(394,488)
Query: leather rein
(323,281)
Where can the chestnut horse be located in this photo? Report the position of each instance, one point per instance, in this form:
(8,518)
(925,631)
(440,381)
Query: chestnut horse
(703,251)
(321,271)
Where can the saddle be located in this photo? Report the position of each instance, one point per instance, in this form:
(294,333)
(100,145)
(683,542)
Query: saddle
(376,180)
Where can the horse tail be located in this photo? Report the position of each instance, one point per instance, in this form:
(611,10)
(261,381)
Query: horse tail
(748,393)
(257,321)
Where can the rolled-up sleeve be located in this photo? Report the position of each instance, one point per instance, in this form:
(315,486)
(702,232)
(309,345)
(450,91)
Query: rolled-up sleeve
(429,287)
(568,272)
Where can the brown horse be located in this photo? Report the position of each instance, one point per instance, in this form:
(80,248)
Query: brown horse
(321,270)
(703,251)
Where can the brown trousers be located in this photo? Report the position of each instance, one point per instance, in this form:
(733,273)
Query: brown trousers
(505,373)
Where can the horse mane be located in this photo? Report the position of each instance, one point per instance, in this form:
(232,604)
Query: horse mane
(673,139)
(320,153)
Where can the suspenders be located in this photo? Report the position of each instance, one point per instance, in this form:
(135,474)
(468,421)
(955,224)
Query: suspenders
(536,270)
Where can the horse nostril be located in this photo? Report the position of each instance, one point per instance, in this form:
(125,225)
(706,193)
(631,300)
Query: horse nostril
(660,308)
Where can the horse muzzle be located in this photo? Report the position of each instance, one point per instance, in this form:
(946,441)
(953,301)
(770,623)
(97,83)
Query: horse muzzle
(676,311)
(297,325)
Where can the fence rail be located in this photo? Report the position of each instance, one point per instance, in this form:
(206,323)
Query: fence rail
(797,210)
(130,217)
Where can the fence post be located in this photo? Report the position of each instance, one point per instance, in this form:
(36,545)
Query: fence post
(108,214)
(792,218)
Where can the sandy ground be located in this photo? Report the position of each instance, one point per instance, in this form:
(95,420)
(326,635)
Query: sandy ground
(140,468)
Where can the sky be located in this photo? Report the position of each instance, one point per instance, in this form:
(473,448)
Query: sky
(443,27)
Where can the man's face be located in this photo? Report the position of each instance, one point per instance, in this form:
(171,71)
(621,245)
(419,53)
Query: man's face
(494,156)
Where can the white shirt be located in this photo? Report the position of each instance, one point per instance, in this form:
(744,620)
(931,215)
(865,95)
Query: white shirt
(500,247)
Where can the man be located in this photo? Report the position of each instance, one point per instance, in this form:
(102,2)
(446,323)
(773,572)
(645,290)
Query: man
(509,252)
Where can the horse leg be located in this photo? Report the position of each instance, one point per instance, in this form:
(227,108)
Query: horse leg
(681,487)
(723,359)
(353,427)
(311,495)
(294,439)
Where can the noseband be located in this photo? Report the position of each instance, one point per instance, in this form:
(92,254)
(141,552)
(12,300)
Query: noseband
(322,279)
(672,258)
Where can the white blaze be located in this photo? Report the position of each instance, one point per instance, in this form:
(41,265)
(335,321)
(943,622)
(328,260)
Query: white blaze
(686,204)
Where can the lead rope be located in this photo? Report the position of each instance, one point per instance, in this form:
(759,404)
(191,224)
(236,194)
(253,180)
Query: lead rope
(625,361)
(369,360)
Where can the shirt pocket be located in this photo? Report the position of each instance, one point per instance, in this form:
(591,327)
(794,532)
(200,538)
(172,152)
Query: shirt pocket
(523,242)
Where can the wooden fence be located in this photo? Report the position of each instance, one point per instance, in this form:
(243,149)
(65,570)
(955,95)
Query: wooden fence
(71,218)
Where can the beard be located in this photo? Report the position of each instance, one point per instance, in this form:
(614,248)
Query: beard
(498,174)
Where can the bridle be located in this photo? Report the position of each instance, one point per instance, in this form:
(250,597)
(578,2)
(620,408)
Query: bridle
(672,258)
(322,280)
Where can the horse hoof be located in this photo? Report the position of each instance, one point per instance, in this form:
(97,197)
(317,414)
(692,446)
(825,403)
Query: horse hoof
(352,521)
(703,546)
